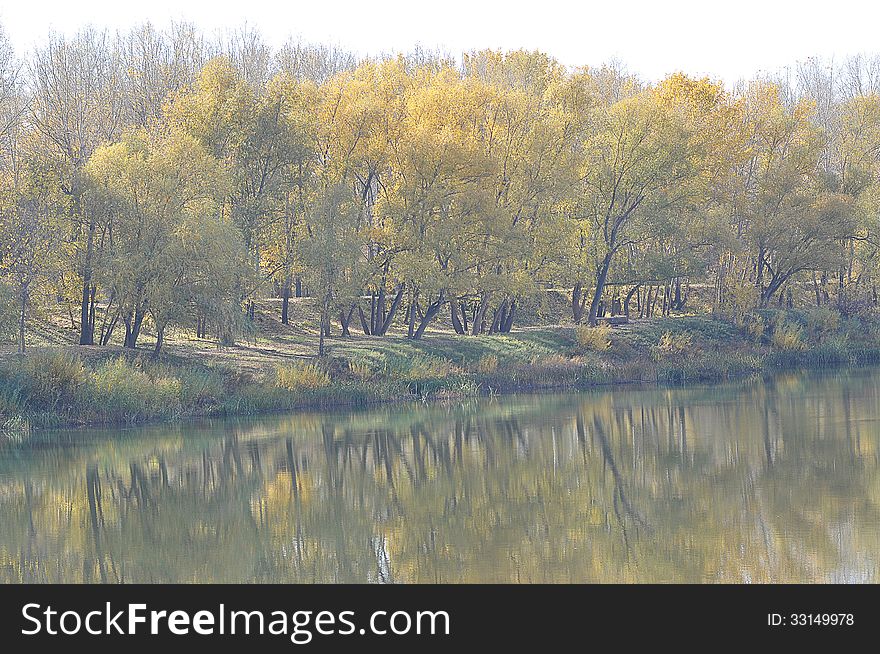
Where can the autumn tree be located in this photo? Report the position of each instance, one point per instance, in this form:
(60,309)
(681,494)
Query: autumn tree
(161,195)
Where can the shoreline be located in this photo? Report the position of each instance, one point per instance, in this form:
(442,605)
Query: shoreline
(67,392)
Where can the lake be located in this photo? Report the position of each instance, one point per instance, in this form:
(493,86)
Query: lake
(773,480)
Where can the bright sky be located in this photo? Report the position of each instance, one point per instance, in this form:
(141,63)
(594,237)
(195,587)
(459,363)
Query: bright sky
(728,40)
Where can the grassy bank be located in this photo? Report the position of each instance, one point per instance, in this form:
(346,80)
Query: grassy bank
(58,384)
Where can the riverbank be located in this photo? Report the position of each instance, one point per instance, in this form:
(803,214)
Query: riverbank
(64,385)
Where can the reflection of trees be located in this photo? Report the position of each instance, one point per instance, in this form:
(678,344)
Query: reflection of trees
(775,481)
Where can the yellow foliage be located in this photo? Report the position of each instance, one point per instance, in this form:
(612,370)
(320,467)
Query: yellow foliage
(594,339)
(300,376)
(788,337)
(676,343)
(487,364)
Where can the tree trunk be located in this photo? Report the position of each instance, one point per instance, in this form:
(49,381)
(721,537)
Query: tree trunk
(480,315)
(364,324)
(323,328)
(456,321)
(500,317)
(759,278)
(395,304)
(507,323)
(411,318)
(345,320)
(87,332)
(133,329)
(107,329)
(22,318)
(430,312)
(628,299)
(601,278)
(160,338)
(578,302)
(285,301)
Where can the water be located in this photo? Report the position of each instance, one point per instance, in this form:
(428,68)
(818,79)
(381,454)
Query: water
(765,481)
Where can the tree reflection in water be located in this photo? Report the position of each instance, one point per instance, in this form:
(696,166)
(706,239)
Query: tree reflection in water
(768,481)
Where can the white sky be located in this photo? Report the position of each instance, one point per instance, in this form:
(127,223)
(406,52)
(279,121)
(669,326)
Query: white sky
(729,40)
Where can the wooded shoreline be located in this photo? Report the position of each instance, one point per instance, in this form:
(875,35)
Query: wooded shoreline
(66,386)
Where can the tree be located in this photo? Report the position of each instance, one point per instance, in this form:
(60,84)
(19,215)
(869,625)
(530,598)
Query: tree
(637,162)
(790,221)
(157,191)
(76,106)
(334,252)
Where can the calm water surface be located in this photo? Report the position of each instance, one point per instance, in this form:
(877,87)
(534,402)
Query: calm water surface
(765,481)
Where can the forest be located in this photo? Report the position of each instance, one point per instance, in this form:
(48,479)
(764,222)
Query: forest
(163,180)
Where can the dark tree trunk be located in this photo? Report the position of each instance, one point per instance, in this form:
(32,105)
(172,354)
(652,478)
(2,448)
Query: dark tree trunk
(430,313)
(160,338)
(578,302)
(395,304)
(298,287)
(478,326)
(365,326)
(411,313)
(87,327)
(285,301)
(345,320)
(372,313)
(107,329)
(133,329)
(499,317)
(22,318)
(628,299)
(323,328)
(601,278)
(456,321)
(507,325)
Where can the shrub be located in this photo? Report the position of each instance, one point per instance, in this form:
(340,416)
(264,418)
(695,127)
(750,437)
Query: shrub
(430,367)
(487,364)
(755,325)
(300,376)
(360,370)
(788,337)
(122,391)
(53,379)
(822,322)
(593,339)
(675,343)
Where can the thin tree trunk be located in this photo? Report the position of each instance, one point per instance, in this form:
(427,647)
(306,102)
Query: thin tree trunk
(628,299)
(578,302)
(285,301)
(411,318)
(22,318)
(87,334)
